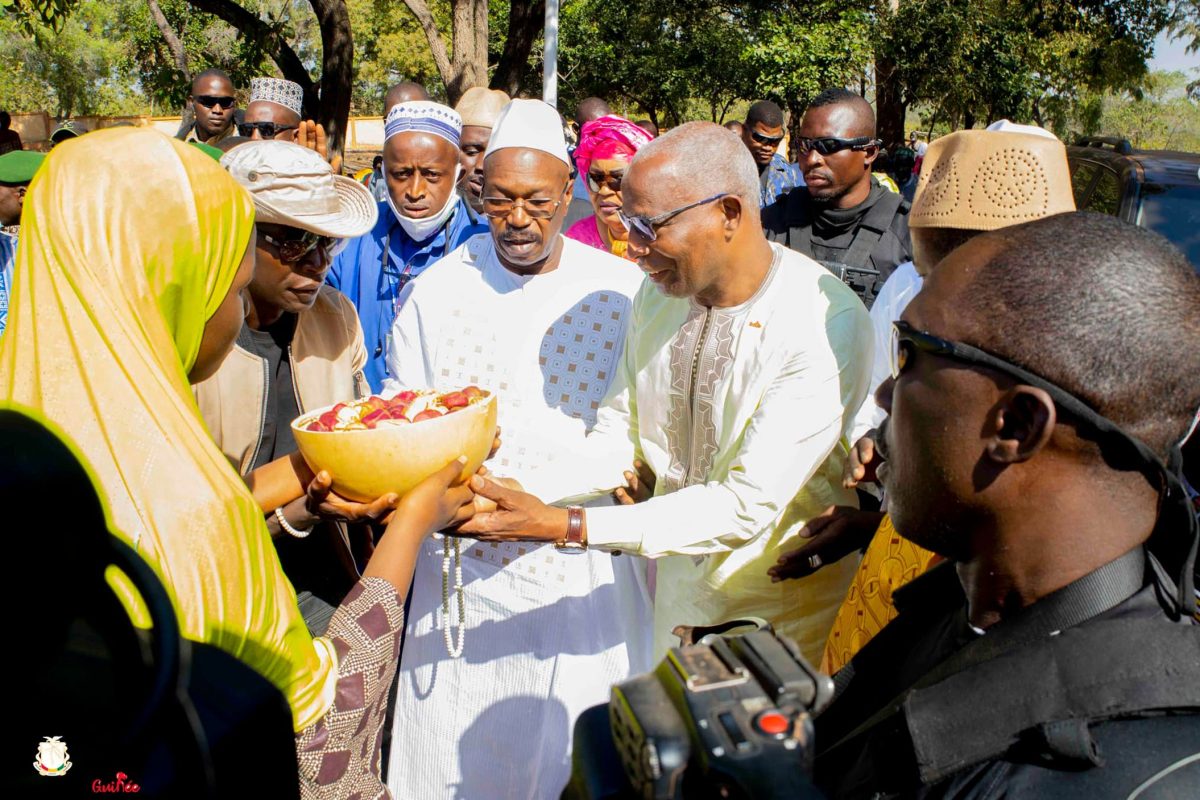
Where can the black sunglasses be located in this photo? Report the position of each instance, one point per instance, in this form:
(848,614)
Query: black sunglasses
(209,100)
(647,227)
(267,129)
(906,338)
(300,244)
(828,145)
(610,179)
(762,138)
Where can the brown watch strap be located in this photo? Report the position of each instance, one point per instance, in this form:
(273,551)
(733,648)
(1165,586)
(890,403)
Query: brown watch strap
(575,527)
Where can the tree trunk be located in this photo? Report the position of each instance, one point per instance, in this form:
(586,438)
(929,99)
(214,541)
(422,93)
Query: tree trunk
(889,111)
(968,119)
(172,40)
(795,116)
(337,70)
(525,22)
(272,41)
(466,64)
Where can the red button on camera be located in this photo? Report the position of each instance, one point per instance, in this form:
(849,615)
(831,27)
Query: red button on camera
(772,723)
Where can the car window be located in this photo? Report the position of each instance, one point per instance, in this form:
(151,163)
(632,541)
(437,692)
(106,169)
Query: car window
(1081,181)
(1173,211)
(1106,196)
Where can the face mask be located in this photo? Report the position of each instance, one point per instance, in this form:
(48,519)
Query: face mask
(421,229)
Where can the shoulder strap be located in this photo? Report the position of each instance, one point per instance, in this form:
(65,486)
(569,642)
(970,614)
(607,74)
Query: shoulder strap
(1046,692)
(876,222)
(1091,595)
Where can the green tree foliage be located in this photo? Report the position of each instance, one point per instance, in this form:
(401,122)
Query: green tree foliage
(388,47)
(75,67)
(981,60)
(207,42)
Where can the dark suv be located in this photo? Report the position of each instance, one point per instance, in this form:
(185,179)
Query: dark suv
(1157,189)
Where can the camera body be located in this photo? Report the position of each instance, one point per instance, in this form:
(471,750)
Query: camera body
(727,717)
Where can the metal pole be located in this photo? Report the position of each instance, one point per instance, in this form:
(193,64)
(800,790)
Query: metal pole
(550,55)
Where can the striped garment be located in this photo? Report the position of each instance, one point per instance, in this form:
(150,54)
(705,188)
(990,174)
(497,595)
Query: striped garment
(8,254)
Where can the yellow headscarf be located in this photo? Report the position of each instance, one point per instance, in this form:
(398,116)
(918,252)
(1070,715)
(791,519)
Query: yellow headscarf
(117,272)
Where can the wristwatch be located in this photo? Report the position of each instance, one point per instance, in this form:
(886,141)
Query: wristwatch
(574,542)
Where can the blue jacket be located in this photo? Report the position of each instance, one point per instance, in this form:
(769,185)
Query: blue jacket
(359,273)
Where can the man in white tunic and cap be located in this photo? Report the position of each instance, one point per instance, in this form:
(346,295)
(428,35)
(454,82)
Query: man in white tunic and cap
(507,643)
(745,365)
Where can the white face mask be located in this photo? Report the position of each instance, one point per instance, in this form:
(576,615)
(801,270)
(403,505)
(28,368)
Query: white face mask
(421,229)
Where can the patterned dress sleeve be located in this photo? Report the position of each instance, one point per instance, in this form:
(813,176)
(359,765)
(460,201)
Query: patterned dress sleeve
(339,755)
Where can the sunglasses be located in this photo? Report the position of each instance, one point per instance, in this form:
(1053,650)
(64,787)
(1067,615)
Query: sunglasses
(267,129)
(535,207)
(610,179)
(828,145)
(764,139)
(906,340)
(647,227)
(295,248)
(208,101)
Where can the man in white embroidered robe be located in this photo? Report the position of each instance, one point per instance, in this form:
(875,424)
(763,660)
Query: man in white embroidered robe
(540,320)
(743,370)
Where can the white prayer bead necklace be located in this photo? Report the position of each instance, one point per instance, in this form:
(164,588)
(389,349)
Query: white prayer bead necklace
(454,649)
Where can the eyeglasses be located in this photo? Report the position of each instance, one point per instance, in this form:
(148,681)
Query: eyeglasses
(294,249)
(1116,445)
(647,227)
(208,101)
(764,139)
(610,179)
(535,207)
(828,145)
(906,338)
(267,129)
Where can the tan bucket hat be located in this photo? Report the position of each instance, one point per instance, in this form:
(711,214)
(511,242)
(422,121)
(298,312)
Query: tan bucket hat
(293,185)
(983,180)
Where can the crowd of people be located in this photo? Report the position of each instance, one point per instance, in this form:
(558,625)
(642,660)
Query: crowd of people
(936,442)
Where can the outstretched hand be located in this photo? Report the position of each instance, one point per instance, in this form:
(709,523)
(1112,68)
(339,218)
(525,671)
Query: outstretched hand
(834,534)
(518,516)
(325,503)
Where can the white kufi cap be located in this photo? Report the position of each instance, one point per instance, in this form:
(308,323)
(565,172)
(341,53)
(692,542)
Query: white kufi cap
(531,124)
(276,90)
(424,116)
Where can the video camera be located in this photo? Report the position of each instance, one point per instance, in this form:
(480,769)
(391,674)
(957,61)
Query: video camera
(723,716)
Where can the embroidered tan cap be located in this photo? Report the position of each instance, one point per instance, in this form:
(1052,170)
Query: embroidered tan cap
(481,107)
(983,180)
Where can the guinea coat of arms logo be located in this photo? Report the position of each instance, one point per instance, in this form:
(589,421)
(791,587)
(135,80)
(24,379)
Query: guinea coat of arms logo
(52,758)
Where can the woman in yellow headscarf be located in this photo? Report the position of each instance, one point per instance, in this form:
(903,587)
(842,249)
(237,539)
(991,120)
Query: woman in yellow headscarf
(128,286)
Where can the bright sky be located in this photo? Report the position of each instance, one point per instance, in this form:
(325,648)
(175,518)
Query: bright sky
(1170,55)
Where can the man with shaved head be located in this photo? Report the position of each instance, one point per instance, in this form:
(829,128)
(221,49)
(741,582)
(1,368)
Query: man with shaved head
(404,92)
(213,107)
(1033,442)
(842,217)
(590,108)
(540,320)
(745,365)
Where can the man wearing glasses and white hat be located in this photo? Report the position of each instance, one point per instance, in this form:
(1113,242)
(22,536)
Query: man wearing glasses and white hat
(744,366)
(504,652)
(300,348)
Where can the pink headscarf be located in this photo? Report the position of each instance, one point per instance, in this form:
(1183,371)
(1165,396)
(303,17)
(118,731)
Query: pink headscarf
(608,137)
